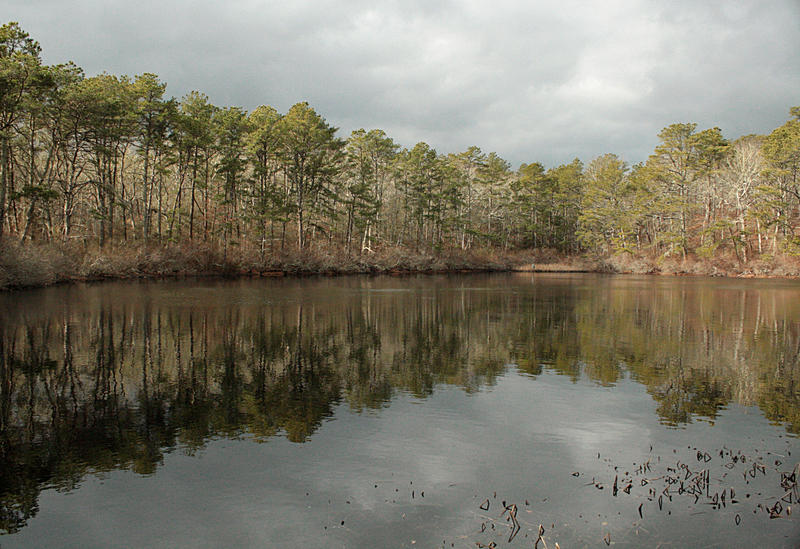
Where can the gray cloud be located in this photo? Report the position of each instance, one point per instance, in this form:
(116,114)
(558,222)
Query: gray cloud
(534,81)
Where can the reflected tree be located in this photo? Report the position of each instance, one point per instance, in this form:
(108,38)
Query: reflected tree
(106,386)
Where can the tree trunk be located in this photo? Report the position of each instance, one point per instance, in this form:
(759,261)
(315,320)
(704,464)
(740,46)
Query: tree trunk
(28,221)
(145,197)
(3,182)
(191,207)
(67,211)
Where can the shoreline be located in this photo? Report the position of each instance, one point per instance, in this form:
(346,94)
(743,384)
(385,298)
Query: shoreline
(31,267)
(546,269)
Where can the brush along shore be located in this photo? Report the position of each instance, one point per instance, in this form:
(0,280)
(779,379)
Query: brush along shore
(33,266)
(30,266)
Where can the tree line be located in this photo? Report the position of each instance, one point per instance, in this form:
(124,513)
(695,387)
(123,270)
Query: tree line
(112,161)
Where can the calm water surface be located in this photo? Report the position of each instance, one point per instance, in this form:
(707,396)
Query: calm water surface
(400,412)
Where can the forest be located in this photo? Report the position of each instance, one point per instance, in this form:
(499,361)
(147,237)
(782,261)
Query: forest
(107,176)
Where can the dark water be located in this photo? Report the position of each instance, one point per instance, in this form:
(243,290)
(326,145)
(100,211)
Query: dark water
(400,412)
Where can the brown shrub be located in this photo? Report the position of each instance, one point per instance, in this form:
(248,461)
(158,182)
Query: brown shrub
(35,264)
(42,264)
(628,263)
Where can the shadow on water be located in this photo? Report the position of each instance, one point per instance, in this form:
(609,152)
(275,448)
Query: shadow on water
(108,377)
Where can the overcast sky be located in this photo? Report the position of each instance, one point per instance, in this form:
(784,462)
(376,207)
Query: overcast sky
(532,80)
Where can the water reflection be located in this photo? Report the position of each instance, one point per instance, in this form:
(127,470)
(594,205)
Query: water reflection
(114,376)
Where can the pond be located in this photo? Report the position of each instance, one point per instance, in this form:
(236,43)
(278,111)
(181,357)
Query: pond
(515,410)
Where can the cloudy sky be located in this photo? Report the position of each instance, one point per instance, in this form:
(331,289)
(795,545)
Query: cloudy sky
(544,80)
